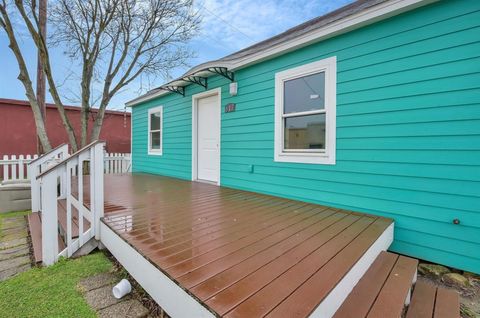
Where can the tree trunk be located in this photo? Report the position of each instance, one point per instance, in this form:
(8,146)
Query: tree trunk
(24,78)
(97,125)
(42,18)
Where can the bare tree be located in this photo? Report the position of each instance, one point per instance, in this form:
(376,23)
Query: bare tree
(114,41)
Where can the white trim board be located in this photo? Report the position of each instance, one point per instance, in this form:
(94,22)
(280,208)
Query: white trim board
(217,91)
(371,15)
(329,306)
(173,299)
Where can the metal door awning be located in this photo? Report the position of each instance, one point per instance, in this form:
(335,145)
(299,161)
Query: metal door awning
(198,78)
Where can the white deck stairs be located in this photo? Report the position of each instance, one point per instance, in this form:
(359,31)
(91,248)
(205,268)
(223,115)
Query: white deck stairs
(65,221)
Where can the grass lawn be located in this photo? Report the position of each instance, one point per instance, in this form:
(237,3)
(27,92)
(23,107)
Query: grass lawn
(51,291)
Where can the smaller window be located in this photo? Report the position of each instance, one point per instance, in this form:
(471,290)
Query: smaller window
(155,126)
(305,107)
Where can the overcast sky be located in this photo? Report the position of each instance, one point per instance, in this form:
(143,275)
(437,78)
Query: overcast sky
(228,26)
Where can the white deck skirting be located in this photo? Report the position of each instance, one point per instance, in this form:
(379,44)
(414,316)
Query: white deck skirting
(173,299)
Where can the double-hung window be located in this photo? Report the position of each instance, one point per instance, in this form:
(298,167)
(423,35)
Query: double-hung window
(155,128)
(305,111)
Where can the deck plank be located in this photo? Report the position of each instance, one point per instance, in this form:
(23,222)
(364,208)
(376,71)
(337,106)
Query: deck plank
(237,252)
(447,304)
(364,294)
(264,300)
(391,300)
(423,301)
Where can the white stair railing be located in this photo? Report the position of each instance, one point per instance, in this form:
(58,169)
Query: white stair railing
(39,165)
(86,165)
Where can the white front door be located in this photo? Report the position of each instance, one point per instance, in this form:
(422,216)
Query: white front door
(208,139)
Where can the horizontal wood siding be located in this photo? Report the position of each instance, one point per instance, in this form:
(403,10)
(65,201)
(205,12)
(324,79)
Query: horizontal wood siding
(408,130)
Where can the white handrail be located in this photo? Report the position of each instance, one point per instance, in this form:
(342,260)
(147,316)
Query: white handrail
(71,171)
(38,166)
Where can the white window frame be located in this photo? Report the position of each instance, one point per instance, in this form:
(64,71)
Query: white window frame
(156,152)
(313,156)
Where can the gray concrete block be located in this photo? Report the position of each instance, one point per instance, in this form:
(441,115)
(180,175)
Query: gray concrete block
(13,271)
(12,234)
(97,281)
(14,262)
(13,243)
(14,197)
(16,251)
(129,308)
(102,298)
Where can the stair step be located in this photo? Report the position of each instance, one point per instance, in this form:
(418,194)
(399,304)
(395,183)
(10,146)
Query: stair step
(35,226)
(62,219)
(384,289)
(431,301)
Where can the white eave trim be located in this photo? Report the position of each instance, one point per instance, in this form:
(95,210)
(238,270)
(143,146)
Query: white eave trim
(349,23)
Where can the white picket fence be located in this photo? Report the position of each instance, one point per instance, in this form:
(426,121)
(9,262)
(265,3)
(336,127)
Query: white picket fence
(14,167)
(117,163)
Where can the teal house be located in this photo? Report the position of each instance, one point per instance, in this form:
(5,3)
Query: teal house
(373,108)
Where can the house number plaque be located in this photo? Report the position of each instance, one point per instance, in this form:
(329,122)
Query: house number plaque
(229,108)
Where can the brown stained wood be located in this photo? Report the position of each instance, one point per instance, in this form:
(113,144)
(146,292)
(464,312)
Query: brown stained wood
(213,240)
(293,232)
(232,275)
(260,302)
(160,242)
(447,304)
(35,226)
(423,301)
(225,246)
(302,301)
(391,300)
(247,246)
(233,217)
(363,295)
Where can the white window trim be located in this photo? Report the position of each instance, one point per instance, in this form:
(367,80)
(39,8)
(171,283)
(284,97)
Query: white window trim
(155,152)
(329,66)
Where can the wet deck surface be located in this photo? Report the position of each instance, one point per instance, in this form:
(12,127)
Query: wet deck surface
(241,254)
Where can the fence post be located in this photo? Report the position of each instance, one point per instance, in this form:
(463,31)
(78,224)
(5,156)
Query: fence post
(5,168)
(21,168)
(14,167)
(27,170)
(97,197)
(49,219)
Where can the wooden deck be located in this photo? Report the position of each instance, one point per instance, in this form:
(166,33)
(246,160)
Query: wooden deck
(240,254)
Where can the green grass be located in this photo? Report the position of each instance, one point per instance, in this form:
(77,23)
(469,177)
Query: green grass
(51,291)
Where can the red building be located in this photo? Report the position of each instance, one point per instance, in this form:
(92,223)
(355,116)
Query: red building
(18,133)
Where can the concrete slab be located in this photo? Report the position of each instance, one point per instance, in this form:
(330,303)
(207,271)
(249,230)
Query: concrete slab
(16,251)
(129,308)
(13,222)
(14,262)
(13,234)
(102,297)
(97,281)
(13,243)
(13,271)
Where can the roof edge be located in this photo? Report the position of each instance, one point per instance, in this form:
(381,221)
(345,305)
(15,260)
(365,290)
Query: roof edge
(351,22)
(19,102)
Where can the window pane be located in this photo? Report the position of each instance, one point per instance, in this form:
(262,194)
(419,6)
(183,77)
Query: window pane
(155,121)
(304,94)
(155,140)
(305,132)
